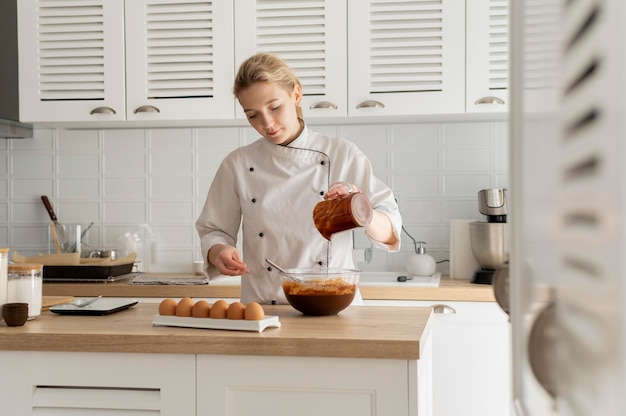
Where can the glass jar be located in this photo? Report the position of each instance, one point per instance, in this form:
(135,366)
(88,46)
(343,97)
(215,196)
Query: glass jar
(25,284)
(4,260)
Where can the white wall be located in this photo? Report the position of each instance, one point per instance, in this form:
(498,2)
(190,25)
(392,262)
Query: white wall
(122,179)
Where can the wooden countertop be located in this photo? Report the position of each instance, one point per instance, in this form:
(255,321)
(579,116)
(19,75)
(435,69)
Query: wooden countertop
(448,290)
(358,332)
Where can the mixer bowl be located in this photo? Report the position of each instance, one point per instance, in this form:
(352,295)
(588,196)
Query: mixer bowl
(490,244)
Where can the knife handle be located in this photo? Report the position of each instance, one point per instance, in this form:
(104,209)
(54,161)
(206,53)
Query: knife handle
(48,206)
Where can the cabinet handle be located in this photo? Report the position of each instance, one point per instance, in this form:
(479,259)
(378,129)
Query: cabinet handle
(370,104)
(102,110)
(323,104)
(444,309)
(489,100)
(147,109)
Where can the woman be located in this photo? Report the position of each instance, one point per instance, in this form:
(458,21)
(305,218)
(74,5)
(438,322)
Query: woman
(270,187)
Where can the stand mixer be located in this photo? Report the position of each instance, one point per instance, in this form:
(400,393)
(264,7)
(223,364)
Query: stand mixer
(489,239)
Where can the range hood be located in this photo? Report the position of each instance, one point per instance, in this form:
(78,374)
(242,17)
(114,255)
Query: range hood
(10,128)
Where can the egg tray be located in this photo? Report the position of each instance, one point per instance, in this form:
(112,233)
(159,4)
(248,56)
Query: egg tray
(212,323)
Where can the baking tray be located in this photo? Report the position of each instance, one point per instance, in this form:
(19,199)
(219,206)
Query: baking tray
(87,273)
(211,323)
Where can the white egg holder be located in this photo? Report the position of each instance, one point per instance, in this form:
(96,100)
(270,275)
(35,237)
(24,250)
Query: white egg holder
(212,323)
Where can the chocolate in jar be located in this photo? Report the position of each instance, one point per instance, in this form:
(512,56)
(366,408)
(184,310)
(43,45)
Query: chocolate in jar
(345,213)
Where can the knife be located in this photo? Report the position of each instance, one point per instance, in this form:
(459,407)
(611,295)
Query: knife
(53,218)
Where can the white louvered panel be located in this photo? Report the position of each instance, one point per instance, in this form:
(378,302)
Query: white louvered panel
(406,46)
(310,36)
(541,50)
(179,59)
(179,49)
(83,400)
(71,50)
(498,44)
(71,60)
(486,56)
(591,232)
(406,57)
(295,31)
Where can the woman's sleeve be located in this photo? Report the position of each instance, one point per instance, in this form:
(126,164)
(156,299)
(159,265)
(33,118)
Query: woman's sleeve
(380,195)
(219,220)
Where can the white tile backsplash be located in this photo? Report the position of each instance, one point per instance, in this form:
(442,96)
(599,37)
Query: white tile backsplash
(157,179)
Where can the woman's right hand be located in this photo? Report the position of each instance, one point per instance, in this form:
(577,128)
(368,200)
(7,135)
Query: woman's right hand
(227,260)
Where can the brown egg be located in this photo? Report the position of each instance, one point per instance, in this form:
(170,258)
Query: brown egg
(236,310)
(254,312)
(167,307)
(184,307)
(219,309)
(201,309)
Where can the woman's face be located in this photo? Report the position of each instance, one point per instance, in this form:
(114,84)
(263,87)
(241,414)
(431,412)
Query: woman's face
(271,110)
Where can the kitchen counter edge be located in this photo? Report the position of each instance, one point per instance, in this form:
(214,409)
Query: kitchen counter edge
(384,332)
(448,290)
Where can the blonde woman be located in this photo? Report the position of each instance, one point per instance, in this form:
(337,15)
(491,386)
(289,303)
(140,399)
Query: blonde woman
(270,187)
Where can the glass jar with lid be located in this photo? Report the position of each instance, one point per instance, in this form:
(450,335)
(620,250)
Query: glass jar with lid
(4,254)
(25,284)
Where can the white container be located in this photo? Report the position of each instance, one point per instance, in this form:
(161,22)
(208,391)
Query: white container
(420,263)
(25,284)
(4,260)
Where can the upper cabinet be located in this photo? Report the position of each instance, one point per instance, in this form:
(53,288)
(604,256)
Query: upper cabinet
(406,57)
(487,56)
(363,58)
(116,60)
(310,37)
(140,62)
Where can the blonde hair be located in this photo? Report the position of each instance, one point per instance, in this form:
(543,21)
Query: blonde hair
(265,67)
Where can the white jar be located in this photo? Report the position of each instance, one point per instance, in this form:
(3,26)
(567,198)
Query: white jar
(4,260)
(25,284)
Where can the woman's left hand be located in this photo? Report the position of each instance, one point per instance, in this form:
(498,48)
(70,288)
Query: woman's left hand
(339,189)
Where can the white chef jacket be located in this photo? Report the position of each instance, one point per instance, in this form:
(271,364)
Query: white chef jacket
(271,190)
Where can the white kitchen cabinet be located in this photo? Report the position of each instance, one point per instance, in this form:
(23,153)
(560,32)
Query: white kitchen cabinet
(405,57)
(77,383)
(310,36)
(307,386)
(359,58)
(471,357)
(117,60)
(487,56)
(125,384)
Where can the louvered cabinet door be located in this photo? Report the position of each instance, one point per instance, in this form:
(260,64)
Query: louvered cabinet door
(310,36)
(406,57)
(487,55)
(71,60)
(591,290)
(179,59)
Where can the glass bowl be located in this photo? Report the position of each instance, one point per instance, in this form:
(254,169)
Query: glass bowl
(320,292)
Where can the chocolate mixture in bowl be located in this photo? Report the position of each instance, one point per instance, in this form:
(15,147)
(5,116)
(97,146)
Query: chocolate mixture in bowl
(320,297)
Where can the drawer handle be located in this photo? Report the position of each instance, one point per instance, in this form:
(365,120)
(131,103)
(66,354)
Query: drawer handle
(489,100)
(443,309)
(370,104)
(147,109)
(102,110)
(323,104)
